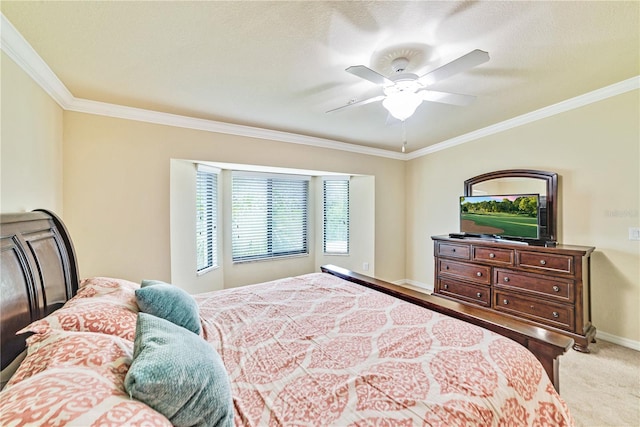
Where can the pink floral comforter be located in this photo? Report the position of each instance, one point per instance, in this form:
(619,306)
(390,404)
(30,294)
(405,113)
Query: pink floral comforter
(317,350)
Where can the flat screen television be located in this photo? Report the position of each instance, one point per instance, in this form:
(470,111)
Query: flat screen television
(511,216)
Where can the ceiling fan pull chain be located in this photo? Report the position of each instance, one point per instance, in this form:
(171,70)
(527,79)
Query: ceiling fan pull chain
(404,136)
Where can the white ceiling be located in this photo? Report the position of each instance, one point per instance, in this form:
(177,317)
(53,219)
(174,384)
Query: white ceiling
(280,65)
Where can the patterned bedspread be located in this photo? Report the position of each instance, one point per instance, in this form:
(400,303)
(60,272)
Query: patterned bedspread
(318,350)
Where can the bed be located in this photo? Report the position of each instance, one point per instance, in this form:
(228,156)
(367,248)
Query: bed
(327,348)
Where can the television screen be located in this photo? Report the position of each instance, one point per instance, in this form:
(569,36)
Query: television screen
(513,215)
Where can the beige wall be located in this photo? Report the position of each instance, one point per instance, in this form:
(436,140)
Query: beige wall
(596,152)
(182,220)
(117,194)
(30,144)
(362,230)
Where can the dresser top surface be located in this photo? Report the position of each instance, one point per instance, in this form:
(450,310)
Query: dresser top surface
(495,243)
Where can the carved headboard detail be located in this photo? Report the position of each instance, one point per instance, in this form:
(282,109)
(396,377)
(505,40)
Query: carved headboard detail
(39,274)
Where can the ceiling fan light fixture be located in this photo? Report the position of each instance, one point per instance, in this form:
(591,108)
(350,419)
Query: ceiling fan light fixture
(402,105)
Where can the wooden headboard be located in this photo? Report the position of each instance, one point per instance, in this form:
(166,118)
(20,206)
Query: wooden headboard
(39,274)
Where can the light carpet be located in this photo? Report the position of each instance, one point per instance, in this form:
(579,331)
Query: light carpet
(602,388)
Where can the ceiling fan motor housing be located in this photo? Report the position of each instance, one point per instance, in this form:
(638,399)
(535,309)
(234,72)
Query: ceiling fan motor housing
(405,82)
(398,65)
(402,82)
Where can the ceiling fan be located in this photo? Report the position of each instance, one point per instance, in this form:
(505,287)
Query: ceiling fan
(404,92)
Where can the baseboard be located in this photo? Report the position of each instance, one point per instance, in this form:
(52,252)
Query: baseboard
(624,342)
(416,286)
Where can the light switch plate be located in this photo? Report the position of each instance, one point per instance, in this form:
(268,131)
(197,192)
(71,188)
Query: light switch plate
(634,233)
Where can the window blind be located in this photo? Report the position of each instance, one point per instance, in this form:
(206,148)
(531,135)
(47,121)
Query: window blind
(269,216)
(336,216)
(206,219)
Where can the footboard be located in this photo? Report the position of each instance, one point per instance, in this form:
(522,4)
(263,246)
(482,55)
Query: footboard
(545,345)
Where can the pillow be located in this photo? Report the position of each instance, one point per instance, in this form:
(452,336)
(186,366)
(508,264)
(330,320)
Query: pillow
(148,282)
(73,396)
(117,290)
(102,305)
(171,303)
(178,374)
(74,379)
(107,285)
(106,354)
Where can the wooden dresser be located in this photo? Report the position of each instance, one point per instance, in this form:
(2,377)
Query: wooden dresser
(545,286)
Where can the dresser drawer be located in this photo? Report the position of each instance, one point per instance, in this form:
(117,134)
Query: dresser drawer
(562,290)
(475,273)
(476,294)
(546,262)
(549,313)
(493,255)
(545,286)
(453,250)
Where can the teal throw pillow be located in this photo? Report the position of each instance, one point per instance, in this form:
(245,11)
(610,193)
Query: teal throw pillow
(179,375)
(171,303)
(149,282)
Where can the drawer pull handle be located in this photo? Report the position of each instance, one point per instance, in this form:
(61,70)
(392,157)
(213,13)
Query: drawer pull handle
(555,314)
(543,262)
(446,286)
(479,274)
(479,295)
(506,278)
(505,301)
(556,288)
(492,255)
(446,267)
(453,250)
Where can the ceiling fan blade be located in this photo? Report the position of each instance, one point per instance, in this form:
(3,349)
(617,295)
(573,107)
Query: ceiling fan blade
(368,74)
(363,102)
(470,60)
(447,97)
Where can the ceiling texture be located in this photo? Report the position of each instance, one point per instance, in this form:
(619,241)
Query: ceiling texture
(281,66)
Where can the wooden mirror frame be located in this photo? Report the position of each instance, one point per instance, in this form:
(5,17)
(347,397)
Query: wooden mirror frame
(551,182)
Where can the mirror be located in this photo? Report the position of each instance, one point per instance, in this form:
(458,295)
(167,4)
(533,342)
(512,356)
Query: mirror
(515,181)
(510,186)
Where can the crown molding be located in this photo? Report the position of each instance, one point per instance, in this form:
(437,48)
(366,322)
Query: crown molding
(561,107)
(21,52)
(156,117)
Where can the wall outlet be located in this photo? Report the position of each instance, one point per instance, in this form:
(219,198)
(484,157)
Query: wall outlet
(634,233)
(365,266)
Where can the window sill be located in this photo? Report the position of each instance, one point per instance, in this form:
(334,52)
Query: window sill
(278,258)
(206,270)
